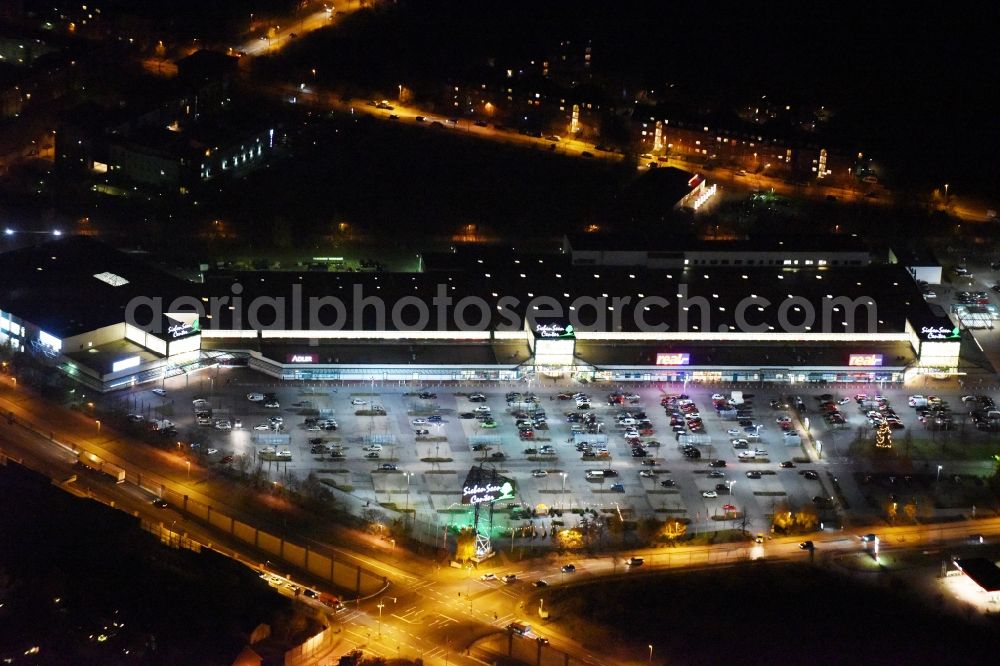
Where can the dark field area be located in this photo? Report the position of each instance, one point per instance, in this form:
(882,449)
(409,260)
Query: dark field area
(85,585)
(770,614)
(413,182)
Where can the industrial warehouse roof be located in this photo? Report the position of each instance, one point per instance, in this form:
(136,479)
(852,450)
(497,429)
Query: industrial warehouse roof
(68,286)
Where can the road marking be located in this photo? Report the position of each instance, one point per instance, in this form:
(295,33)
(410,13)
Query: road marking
(416,616)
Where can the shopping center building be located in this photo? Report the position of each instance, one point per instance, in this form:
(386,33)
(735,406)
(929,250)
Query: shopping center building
(112,319)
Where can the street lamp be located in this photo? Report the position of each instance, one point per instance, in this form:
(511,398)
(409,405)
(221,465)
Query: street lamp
(407,510)
(651,654)
(98,422)
(381,603)
(188,463)
(563,495)
(939,472)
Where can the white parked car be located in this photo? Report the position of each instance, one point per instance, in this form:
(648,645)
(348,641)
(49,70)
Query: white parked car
(159,391)
(272,404)
(262,426)
(418,422)
(358,401)
(212,451)
(736,433)
(709,493)
(646,473)
(482,409)
(255,397)
(539,473)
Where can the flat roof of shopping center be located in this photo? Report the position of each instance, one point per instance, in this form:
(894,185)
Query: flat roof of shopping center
(522,278)
(669,242)
(77,284)
(747,354)
(102,358)
(381,352)
(56,286)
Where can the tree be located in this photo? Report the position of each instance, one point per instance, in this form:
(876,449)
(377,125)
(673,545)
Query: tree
(616,526)
(243,463)
(569,539)
(649,529)
(374,519)
(907,443)
(673,529)
(806,519)
(465,544)
(783,518)
(883,436)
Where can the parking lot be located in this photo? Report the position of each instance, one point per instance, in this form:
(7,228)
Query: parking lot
(711,457)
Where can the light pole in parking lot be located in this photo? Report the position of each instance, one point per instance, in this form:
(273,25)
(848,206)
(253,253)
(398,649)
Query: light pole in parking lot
(939,472)
(407,510)
(562,497)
